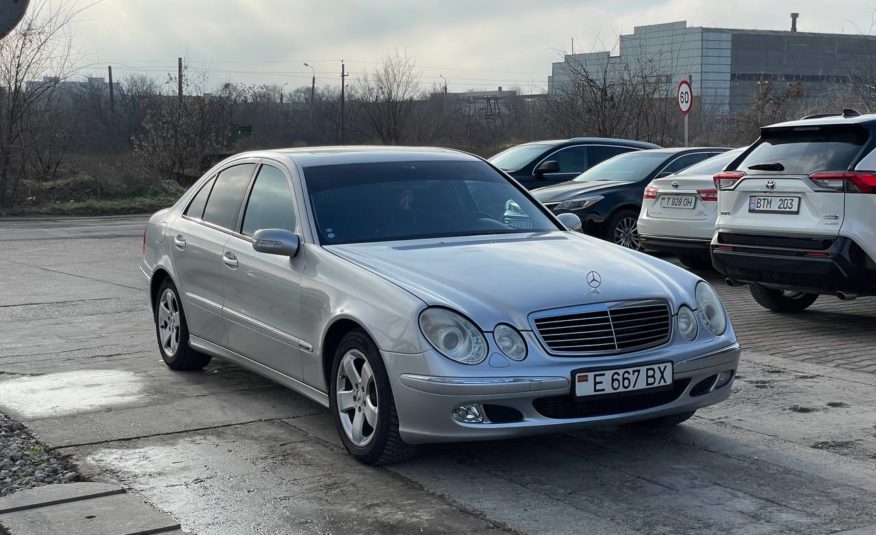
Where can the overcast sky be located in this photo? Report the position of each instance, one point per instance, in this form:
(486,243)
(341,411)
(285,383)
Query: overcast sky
(472,43)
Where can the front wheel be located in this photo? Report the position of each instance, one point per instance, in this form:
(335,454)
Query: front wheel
(362,405)
(786,301)
(623,229)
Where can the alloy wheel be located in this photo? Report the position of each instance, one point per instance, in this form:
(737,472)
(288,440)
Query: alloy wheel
(169,322)
(626,233)
(357,398)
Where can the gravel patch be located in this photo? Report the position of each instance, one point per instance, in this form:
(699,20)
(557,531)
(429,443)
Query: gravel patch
(26,463)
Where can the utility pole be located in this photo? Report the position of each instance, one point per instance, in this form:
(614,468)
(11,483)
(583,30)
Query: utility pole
(112,107)
(343,116)
(312,89)
(179,78)
(445,83)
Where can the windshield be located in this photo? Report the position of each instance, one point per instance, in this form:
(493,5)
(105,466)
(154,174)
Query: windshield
(713,165)
(630,167)
(516,158)
(805,150)
(385,201)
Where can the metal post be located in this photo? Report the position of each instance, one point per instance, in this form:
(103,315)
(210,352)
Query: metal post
(179,76)
(685,130)
(343,116)
(112,109)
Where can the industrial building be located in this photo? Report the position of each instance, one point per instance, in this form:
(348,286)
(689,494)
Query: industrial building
(728,66)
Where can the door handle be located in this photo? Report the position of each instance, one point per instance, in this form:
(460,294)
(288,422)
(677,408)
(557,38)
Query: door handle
(179,241)
(230,260)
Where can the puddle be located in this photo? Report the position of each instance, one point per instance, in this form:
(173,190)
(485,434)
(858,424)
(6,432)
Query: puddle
(59,394)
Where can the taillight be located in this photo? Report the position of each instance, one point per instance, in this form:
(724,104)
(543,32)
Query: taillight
(651,193)
(708,194)
(849,181)
(728,179)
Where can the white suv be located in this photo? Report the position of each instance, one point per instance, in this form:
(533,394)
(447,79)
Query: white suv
(797,212)
(679,211)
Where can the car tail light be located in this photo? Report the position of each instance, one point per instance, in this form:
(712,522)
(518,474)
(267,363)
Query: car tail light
(849,181)
(651,193)
(708,194)
(728,179)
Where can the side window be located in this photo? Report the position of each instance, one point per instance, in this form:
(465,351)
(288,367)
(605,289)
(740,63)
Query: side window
(227,196)
(571,159)
(600,153)
(270,203)
(196,207)
(684,161)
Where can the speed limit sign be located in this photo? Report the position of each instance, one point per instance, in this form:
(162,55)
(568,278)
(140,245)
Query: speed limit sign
(685,96)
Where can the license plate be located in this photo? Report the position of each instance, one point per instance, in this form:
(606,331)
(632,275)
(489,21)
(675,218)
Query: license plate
(623,379)
(678,201)
(773,205)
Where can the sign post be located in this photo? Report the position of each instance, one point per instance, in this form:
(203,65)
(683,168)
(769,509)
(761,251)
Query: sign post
(685,101)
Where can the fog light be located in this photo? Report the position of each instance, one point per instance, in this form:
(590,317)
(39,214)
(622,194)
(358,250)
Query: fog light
(723,378)
(470,413)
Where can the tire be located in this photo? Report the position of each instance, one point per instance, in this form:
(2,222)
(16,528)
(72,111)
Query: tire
(696,261)
(170,319)
(375,443)
(781,300)
(663,421)
(623,229)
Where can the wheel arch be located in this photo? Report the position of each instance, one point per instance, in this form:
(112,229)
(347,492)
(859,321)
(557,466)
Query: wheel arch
(158,277)
(335,332)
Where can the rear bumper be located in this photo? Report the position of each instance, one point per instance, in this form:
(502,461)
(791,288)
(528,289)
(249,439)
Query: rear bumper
(840,267)
(674,245)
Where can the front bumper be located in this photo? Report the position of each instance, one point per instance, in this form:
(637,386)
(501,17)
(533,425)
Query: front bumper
(519,405)
(823,266)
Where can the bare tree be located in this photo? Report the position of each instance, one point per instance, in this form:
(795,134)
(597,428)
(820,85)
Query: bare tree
(386,97)
(40,46)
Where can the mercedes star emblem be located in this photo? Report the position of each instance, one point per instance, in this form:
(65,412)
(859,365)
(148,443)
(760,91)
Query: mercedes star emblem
(771,184)
(594,280)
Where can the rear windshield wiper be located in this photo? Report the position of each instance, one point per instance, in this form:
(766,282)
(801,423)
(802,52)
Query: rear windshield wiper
(775,166)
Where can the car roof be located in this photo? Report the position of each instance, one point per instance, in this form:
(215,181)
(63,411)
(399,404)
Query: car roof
(672,151)
(341,155)
(595,141)
(868,119)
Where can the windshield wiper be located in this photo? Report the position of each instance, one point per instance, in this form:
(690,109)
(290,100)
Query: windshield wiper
(775,166)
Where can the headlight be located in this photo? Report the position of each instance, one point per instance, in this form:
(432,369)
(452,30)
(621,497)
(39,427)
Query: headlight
(710,309)
(510,341)
(453,336)
(687,322)
(580,203)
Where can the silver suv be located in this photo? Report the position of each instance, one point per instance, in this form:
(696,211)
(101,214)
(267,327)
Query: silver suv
(797,212)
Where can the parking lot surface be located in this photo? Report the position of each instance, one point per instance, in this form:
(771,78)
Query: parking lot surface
(225,451)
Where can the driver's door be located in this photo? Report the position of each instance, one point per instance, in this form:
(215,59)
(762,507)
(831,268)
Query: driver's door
(263,291)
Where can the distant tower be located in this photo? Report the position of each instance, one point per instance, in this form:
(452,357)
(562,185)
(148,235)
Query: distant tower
(794,21)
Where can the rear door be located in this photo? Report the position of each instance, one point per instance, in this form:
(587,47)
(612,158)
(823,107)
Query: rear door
(792,181)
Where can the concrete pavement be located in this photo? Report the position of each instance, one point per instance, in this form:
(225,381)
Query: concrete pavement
(224,451)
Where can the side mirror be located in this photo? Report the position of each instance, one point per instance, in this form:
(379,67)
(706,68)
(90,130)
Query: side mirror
(570,221)
(276,241)
(547,166)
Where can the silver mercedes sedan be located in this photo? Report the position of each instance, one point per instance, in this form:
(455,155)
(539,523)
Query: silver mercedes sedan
(424,296)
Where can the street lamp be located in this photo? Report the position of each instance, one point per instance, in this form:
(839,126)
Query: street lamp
(312,84)
(445,82)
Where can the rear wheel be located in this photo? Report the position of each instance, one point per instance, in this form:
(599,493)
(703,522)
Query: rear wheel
(664,421)
(623,229)
(362,404)
(781,300)
(173,331)
(696,261)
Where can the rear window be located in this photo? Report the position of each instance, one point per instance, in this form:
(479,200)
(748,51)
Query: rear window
(806,150)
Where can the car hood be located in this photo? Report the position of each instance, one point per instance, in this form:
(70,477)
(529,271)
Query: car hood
(569,190)
(496,279)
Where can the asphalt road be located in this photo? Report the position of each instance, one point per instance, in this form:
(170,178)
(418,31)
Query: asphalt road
(224,451)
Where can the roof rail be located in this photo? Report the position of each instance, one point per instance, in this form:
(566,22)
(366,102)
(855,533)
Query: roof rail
(846,113)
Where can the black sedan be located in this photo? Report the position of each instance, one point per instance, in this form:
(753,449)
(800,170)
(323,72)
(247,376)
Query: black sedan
(608,196)
(542,163)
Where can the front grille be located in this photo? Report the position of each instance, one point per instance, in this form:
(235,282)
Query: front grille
(564,407)
(619,328)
